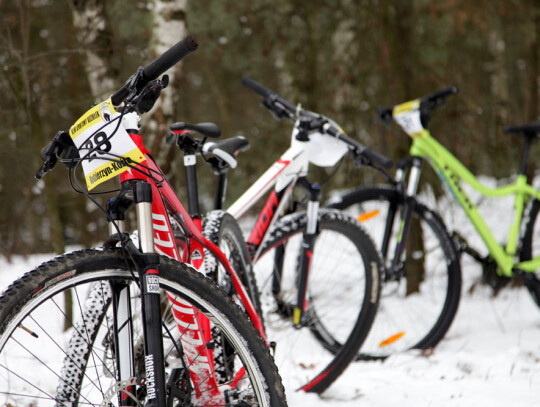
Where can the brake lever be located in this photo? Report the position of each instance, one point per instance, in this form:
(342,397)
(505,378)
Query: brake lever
(275,108)
(52,151)
(146,98)
(358,159)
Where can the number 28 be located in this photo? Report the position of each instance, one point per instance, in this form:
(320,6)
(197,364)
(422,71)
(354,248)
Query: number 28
(98,144)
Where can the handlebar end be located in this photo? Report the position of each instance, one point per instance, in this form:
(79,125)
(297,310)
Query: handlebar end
(385,114)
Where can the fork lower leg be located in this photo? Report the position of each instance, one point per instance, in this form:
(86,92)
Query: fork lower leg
(147,267)
(306,251)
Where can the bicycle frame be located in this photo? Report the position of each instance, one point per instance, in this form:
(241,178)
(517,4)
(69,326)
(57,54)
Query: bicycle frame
(156,234)
(289,170)
(452,172)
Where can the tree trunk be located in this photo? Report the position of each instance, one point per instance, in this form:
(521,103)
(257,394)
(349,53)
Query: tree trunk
(414,263)
(169,27)
(94,35)
(397,24)
(34,121)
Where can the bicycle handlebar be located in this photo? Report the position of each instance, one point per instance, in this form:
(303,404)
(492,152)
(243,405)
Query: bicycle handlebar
(372,156)
(268,94)
(436,99)
(385,114)
(256,87)
(159,65)
(427,104)
(170,57)
(315,122)
(452,90)
(56,147)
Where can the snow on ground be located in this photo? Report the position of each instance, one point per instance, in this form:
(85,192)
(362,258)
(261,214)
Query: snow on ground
(490,356)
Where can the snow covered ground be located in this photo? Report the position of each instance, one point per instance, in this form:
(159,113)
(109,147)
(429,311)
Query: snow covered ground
(490,356)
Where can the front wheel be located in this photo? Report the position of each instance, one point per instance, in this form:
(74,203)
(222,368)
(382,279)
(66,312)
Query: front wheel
(343,290)
(43,364)
(420,299)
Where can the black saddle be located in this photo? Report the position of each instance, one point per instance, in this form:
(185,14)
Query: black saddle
(209,130)
(232,146)
(530,130)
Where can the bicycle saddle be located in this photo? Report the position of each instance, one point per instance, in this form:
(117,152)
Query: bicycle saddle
(209,130)
(530,129)
(227,149)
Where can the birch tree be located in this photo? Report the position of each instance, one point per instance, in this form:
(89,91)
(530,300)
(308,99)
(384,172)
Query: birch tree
(169,27)
(95,36)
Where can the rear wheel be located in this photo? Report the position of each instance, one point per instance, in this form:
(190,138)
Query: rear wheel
(40,363)
(419,301)
(343,294)
(222,229)
(531,248)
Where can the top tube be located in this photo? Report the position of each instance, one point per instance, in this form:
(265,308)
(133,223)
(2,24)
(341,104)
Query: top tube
(424,145)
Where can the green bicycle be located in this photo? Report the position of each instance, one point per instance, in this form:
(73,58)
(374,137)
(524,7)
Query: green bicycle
(422,272)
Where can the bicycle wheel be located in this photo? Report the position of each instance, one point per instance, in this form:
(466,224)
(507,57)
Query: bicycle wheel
(33,366)
(222,229)
(418,304)
(343,293)
(530,243)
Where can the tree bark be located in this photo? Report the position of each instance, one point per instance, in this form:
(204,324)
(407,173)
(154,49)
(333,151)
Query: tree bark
(94,34)
(34,121)
(169,27)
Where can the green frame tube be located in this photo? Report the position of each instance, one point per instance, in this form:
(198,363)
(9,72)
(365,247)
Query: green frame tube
(452,172)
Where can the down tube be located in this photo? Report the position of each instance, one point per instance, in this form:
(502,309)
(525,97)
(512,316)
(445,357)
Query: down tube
(194,329)
(164,239)
(258,189)
(452,172)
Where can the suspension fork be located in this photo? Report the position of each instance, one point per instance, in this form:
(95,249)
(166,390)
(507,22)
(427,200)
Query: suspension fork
(122,313)
(139,193)
(148,268)
(306,250)
(401,172)
(277,274)
(405,218)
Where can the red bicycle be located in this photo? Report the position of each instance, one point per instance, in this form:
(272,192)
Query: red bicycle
(145,327)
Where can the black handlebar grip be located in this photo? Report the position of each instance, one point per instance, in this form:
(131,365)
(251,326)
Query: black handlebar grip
(268,94)
(170,57)
(45,152)
(373,156)
(120,95)
(159,65)
(378,158)
(385,114)
(257,87)
(41,173)
(452,90)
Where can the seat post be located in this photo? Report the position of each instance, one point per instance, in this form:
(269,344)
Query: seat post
(189,147)
(221,189)
(526,148)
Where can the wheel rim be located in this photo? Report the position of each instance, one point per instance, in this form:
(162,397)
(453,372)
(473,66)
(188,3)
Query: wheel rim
(302,353)
(405,316)
(24,371)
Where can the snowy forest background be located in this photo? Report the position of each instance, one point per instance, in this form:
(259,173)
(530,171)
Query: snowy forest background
(342,58)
